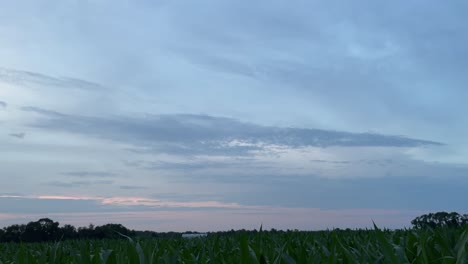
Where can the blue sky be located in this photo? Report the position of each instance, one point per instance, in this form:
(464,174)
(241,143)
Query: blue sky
(213,115)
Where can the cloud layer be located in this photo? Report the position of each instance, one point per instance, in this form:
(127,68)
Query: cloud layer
(32,79)
(218,216)
(358,109)
(205,135)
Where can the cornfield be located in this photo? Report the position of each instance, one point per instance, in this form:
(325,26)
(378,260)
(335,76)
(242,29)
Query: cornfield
(442,245)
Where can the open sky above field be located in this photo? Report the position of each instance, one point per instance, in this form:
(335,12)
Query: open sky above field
(213,115)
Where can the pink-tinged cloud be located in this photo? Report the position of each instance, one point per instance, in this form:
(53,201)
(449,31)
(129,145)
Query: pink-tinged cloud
(135,201)
(58,197)
(8,216)
(227,216)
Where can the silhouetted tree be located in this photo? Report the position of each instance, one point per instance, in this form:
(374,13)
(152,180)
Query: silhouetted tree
(42,230)
(68,232)
(111,231)
(86,232)
(13,233)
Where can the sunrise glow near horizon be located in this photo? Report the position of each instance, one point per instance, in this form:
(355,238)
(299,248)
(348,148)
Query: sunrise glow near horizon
(219,115)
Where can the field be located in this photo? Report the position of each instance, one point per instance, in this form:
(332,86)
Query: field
(442,245)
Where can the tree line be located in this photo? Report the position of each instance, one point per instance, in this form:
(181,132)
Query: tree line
(46,229)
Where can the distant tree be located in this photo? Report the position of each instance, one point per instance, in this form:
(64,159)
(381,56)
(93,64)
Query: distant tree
(68,232)
(47,230)
(440,219)
(42,230)
(114,231)
(86,232)
(13,233)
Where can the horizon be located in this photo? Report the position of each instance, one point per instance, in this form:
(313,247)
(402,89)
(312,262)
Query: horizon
(221,115)
(216,231)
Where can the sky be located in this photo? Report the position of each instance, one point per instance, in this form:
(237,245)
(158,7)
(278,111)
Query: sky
(216,115)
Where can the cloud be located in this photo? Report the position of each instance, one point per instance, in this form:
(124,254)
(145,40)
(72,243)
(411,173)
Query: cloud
(113,203)
(439,191)
(3,105)
(18,135)
(217,62)
(360,66)
(203,164)
(278,68)
(149,202)
(193,195)
(331,161)
(132,187)
(79,184)
(378,162)
(208,135)
(26,78)
(227,219)
(86,174)
(42,205)
(11,194)
(154,214)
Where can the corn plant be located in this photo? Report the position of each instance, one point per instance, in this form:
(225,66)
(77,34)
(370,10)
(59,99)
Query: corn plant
(442,245)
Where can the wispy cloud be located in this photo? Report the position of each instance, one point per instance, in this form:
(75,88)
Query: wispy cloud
(133,201)
(146,213)
(132,187)
(28,78)
(208,135)
(18,135)
(79,184)
(331,161)
(253,103)
(89,174)
(350,203)
(202,164)
(139,201)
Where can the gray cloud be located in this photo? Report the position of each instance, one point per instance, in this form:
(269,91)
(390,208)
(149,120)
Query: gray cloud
(19,77)
(11,194)
(191,196)
(398,69)
(3,105)
(193,148)
(216,62)
(370,65)
(18,135)
(132,187)
(47,206)
(86,174)
(202,134)
(331,161)
(79,184)
(337,34)
(416,185)
(378,162)
(422,193)
(204,165)
(415,192)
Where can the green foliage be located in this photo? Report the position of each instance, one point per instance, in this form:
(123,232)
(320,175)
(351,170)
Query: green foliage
(440,245)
